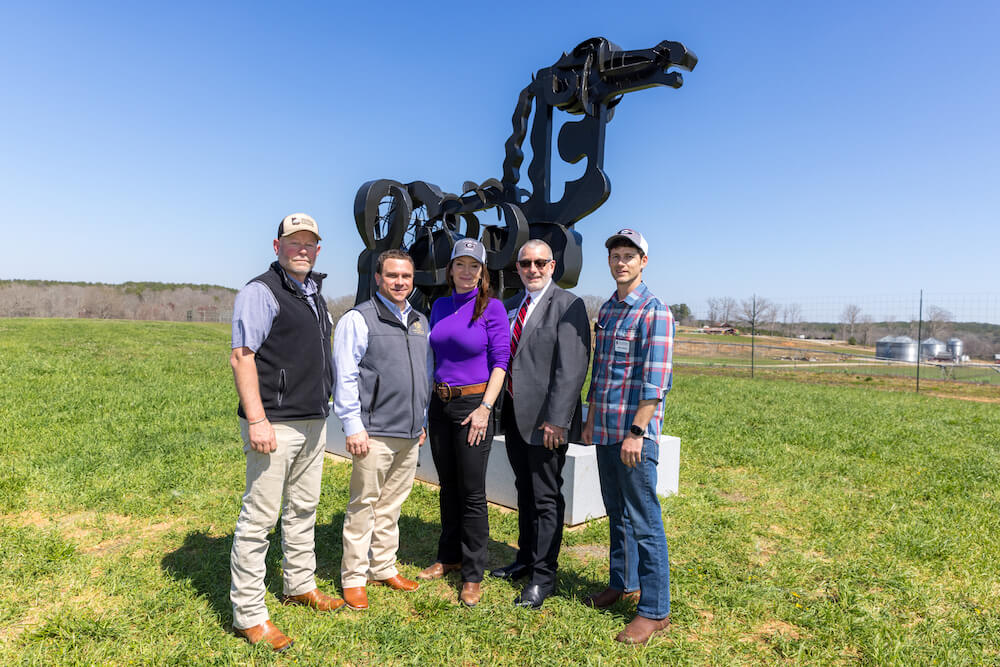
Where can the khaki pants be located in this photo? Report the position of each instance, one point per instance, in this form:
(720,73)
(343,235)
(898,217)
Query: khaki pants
(286,481)
(380,482)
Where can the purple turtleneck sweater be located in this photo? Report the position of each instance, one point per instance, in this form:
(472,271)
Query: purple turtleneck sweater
(466,352)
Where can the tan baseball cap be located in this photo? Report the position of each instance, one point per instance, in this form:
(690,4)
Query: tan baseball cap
(298,222)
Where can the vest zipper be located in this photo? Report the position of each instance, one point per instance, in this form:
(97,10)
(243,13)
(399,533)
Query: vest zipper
(413,381)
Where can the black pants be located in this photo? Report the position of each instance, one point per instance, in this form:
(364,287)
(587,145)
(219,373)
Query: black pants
(465,526)
(540,504)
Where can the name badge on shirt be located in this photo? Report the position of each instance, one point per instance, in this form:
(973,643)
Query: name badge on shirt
(622,346)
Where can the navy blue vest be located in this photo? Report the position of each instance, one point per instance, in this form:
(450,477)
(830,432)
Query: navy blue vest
(294,361)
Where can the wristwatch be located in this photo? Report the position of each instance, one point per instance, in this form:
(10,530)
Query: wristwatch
(635,430)
(488,406)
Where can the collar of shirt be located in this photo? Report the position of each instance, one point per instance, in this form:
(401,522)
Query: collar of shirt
(401,314)
(307,288)
(632,297)
(535,296)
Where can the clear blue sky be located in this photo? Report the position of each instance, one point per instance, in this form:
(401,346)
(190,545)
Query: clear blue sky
(818,149)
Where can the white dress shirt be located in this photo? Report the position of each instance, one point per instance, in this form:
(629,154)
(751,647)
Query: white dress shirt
(350,342)
(535,296)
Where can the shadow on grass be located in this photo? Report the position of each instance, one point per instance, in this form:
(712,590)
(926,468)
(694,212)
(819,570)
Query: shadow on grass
(202,561)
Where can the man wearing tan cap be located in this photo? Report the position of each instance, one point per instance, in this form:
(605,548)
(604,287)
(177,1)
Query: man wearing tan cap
(284,377)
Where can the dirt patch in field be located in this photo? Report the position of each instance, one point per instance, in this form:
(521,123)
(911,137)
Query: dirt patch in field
(86,529)
(733,497)
(764,549)
(587,551)
(812,554)
(92,600)
(976,399)
(764,634)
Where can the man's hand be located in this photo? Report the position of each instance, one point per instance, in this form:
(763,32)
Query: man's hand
(587,434)
(552,436)
(357,444)
(423,436)
(262,437)
(632,450)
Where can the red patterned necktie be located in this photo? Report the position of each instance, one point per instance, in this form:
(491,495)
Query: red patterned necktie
(515,336)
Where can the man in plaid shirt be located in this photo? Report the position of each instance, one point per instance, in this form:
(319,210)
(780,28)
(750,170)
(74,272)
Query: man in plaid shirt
(631,375)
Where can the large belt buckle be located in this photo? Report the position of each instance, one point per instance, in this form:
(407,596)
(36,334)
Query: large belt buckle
(444,391)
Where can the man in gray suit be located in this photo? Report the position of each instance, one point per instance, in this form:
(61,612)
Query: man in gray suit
(550,352)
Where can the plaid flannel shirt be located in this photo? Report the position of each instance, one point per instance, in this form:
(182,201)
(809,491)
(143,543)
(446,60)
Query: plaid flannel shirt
(633,355)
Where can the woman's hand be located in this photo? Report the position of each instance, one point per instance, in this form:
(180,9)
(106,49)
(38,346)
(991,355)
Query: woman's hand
(478,421)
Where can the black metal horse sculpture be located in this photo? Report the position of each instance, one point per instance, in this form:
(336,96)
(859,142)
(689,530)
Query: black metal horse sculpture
(422,218)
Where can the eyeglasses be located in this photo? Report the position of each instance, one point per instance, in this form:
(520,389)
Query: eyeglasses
(539,263)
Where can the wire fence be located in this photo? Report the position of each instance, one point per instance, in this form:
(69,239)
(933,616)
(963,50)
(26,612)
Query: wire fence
(927,337)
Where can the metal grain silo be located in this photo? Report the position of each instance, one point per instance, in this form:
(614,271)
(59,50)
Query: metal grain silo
(956,348)
(896,348)
(932,348)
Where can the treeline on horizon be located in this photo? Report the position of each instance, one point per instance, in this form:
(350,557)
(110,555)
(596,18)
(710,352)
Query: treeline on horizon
(180,302)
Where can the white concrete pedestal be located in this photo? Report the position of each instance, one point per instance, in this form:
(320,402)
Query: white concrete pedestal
(581,487)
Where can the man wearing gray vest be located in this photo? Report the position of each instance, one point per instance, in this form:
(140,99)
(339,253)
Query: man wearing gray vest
(380,353)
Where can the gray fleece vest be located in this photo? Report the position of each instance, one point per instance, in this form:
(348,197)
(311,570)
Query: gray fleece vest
(392,383)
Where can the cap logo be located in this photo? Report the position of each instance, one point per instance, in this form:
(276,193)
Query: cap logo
(626,231)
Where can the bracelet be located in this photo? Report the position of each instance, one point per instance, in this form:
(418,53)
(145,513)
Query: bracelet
(262,419)
(488,406)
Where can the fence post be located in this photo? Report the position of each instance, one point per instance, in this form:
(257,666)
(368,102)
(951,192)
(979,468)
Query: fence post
(753,333)
(920,326)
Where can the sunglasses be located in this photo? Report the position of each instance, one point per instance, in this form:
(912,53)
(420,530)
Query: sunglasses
(539,263)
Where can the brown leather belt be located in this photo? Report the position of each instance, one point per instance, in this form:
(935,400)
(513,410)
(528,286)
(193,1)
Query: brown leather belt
(447,392)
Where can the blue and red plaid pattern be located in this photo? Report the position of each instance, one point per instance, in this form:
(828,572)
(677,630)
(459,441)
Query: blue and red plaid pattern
(633,355)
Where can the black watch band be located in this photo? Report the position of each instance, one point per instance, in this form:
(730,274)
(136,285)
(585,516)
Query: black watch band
(635,430)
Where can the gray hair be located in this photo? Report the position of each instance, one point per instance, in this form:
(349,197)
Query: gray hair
(534,243)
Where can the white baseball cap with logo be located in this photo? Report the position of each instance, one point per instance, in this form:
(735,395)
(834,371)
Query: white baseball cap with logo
(298,222)
(630,235)
(470,248)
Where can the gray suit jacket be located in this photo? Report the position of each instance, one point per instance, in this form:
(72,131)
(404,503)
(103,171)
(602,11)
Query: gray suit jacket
(550,364)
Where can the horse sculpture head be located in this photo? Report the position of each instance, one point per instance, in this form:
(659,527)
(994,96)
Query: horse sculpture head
(599,72)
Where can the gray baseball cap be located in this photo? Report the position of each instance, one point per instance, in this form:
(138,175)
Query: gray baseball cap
(470,248)
(630,235)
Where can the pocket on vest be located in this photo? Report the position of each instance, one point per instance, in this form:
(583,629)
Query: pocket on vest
(371,406)
(281,386)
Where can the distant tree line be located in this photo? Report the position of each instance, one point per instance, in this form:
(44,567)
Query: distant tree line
(172,302)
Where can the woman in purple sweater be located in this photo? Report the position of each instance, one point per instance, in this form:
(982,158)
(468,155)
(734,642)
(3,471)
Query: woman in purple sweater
(470,338)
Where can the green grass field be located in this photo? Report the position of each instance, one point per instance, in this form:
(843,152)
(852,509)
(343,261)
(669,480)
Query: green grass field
(815,524)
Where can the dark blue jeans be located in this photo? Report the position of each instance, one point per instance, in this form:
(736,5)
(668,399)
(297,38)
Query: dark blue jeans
(639,556)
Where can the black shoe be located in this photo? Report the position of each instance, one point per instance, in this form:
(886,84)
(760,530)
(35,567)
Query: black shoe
(511,572)
(532,596)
